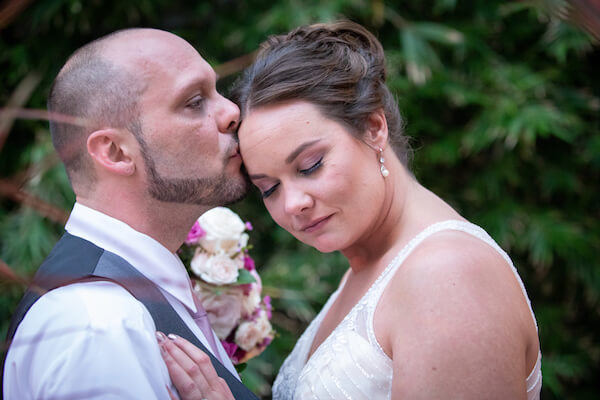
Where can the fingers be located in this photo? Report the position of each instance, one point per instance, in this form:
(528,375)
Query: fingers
(217,388)
(182,370)
(201,359)
(196,363)
(191,370)
(224,387)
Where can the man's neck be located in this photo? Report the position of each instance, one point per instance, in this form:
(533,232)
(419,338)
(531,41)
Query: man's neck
(167,223)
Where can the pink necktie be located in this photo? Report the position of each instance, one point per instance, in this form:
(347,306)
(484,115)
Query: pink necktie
(201,319)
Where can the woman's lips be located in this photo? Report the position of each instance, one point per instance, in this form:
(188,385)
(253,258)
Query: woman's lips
(315,224)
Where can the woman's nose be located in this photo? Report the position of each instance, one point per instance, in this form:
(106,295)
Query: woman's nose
(297,200)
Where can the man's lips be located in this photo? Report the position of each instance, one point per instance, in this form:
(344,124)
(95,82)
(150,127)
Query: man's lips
(315,224)
(235,152)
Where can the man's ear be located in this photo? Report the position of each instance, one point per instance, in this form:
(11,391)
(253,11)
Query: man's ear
(111,149)
(376,134)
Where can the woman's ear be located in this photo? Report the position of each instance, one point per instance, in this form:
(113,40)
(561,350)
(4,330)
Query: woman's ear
(110,149)
(376,134)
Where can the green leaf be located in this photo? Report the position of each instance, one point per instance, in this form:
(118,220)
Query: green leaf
(418,56)
(241,367)
(244,277)
(438,33)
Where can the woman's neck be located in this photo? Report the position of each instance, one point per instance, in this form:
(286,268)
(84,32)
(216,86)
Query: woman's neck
(387,228)
(407,210)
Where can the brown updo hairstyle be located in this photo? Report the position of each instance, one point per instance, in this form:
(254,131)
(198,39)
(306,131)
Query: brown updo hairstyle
(339,67)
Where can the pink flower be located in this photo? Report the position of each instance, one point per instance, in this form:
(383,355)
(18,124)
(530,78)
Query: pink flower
(251,299)
(249,263)
(268,306)
(266,342)
(250,333)
(224,309)
(229,347)
(246,288)
(216,251)
(239,356)
(195,233)
(251,302)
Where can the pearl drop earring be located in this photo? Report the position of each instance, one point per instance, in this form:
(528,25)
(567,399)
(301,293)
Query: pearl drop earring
(384,170)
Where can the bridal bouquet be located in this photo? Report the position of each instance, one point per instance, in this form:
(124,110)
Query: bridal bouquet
(226,282)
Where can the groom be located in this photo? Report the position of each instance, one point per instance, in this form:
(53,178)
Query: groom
(153,148)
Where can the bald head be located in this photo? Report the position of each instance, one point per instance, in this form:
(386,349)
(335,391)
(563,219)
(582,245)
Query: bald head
(101,83)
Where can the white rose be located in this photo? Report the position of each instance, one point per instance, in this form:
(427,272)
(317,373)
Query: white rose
(250,333)
(219,269)
(198,263)
(243,242)
(223,229)
(224,309)
(251,301)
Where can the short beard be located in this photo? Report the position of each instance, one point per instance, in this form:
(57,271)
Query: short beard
(209,191)
(212,191)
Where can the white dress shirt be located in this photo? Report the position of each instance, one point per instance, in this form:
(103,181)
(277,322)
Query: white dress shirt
(94,340)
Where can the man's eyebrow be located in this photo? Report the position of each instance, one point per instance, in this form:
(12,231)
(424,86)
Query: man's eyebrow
(202,83)
(184,91)
(299,150)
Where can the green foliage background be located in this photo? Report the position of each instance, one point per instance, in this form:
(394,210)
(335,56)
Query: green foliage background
(501,99)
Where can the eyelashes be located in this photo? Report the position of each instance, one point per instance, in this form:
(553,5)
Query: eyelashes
(305,172)
(196,103)
(269,191)
(312,169)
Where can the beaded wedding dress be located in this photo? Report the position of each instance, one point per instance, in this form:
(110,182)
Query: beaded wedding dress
(350,363)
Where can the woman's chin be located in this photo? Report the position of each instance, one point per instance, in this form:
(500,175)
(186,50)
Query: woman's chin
(325,246)
(320,243)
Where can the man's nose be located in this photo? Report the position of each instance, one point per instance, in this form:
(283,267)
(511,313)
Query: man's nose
(228,116)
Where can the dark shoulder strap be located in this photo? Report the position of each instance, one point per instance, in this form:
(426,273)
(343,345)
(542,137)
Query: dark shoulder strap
(166,319)
(74,259)
(71,259)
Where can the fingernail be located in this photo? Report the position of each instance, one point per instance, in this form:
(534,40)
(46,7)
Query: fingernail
(172,336)
(160,337)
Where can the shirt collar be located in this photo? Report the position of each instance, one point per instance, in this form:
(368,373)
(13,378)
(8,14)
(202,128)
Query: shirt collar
(144,253)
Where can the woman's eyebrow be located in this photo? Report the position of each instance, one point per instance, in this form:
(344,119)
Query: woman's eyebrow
(290,158)
(299,150)
(257,176)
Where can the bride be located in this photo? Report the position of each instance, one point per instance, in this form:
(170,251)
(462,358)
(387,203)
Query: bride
(430,307)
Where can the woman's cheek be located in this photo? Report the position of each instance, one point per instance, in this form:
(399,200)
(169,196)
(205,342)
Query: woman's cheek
(277,213)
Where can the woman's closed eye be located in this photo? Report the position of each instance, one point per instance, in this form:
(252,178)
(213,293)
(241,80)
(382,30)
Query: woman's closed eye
(269,191)
(312,168)
(305,172)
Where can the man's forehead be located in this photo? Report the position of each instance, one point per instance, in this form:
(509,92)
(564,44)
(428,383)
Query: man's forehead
(167,65)
(149,46)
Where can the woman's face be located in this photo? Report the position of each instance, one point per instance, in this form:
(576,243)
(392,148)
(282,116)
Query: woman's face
(318,182)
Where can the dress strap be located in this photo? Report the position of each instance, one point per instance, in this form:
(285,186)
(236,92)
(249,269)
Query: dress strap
(374,294)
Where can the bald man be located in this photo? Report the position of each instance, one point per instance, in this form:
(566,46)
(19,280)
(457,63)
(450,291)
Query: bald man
(154,149)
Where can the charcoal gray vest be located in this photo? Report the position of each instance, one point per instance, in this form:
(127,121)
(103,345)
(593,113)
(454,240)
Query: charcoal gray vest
(74,259)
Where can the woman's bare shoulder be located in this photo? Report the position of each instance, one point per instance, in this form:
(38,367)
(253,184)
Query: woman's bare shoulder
(453,283)
(455,307)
